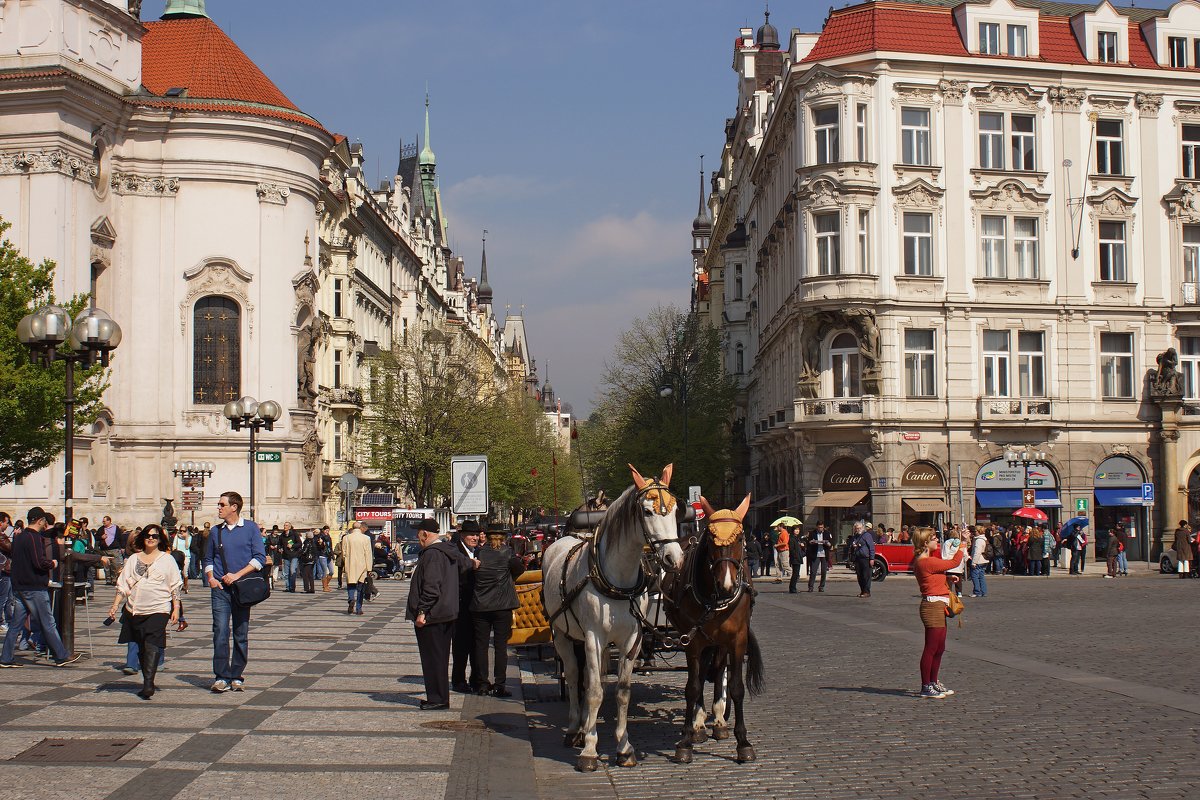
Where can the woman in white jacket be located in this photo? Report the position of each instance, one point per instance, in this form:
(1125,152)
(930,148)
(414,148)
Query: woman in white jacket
(149,587)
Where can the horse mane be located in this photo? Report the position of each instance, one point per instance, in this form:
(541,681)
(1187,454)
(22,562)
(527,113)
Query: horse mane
(622,515)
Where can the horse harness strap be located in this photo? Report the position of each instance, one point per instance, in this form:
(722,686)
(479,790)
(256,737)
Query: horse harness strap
(595,576)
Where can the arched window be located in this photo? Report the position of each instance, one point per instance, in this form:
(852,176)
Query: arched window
(844,364)
(216,351)
(739,360)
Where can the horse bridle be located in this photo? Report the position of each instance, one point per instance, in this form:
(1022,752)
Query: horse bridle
(664,503)
(711,609)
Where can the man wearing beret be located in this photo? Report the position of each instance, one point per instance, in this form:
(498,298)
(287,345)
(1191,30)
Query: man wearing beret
(433,602)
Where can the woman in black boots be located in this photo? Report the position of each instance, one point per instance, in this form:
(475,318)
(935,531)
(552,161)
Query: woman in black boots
(149,587)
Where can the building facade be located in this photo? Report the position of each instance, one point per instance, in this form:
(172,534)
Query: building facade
(944,231)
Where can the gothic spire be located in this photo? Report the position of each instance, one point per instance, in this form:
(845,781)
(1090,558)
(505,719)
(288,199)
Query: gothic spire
(703,218)
(485,290)
(427,156)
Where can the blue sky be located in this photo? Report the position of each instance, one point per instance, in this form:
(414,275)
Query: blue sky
(571,131)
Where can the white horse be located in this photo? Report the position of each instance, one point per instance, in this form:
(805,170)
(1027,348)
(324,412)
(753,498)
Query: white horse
(595,593)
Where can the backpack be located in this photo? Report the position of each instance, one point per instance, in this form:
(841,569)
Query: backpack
(988,552)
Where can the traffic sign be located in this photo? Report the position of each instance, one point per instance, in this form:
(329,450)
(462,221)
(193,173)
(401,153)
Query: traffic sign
(193,495)
(699,510)
(1081,505)
(1147,494)
(469,484)
(1029,498)
(693,494)
(193,480)
(268,457)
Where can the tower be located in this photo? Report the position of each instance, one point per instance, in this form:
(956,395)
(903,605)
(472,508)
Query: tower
(484,293)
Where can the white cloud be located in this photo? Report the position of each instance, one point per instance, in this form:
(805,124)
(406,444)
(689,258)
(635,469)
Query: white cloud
(497,187)
(628,242)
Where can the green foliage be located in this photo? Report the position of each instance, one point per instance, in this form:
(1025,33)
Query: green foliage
(440,396)
(31,396)
(634,423)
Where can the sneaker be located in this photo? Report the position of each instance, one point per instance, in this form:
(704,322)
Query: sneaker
(942,688)
(929,690)
(219,686)
(24,646)
(3,627)
(68,661)
(1108,576)
(974,595)
(129,670)
(238,685)
(10,665)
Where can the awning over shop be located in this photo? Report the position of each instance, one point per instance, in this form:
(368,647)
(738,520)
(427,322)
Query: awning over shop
(926,504)
(1011,498)
(839,499)
(767,501)
(1119,497)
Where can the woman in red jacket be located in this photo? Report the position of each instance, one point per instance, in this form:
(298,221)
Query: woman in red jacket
(930,570)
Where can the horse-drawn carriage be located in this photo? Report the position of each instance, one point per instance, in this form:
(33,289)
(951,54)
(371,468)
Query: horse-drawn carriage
(625,579)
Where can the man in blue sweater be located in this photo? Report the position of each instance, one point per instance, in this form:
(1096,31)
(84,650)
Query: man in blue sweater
(235,549)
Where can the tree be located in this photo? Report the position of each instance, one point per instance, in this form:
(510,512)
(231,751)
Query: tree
(666,377)
(31,396)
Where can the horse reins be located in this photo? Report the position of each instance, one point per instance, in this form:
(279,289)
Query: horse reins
(711,608)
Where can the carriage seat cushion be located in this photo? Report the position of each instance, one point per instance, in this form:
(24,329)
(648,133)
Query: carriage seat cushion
(529,619)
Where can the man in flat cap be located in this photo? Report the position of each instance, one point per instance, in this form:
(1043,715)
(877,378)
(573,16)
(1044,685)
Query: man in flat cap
(466,543)
(433,602)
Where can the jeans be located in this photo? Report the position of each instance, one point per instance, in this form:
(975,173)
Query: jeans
(979,579)
(133,659)
(33,605)
(1122,564)
(997,565)
(816,565)
(753,567)
(1076,561)
(322,568)
(229,619)
(862,567)
(1035,566)
(291,571)
(354,595)
(6,599)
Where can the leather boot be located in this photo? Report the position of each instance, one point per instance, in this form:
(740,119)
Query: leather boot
(149,658)
(325,583)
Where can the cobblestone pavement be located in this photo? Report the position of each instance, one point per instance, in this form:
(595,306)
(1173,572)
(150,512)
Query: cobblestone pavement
(329,710)
(1066,687)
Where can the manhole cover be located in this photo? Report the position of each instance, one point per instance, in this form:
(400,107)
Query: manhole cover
(95,751)
(317,637)
(464,726)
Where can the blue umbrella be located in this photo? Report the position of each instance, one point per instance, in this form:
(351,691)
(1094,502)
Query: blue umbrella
(1075,522)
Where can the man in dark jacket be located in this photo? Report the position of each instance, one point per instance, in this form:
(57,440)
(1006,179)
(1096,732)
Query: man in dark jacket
(795,557)
(291,556)
(818,550)
(433,608)
(32,566)
(467,543)
(492,605)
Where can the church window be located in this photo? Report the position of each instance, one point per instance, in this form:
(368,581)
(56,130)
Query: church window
(216,351)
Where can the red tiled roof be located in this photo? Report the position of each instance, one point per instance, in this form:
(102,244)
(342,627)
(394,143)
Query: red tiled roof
(195,54)
(896,27)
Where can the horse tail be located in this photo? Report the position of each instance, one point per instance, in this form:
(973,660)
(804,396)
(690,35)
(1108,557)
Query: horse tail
(756,673)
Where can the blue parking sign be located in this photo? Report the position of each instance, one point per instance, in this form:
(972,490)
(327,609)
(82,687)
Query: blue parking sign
(1148,493)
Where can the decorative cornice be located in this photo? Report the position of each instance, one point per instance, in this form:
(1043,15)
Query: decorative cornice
(1009,195)
(918,194)
(27,162)
(1010,94)
(1183,202)
(1113,203)
(1108,104)
(157,186)
(1066,98)
(1148,103)
(952,91)
(273,193)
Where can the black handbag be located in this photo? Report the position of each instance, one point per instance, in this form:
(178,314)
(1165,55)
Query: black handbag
(248,590)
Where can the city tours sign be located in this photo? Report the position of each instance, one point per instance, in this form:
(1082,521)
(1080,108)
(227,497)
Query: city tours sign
(846,475)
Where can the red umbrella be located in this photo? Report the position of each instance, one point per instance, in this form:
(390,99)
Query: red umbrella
(1035,514)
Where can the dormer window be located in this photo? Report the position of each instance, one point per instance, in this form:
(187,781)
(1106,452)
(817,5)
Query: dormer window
(1106,47)
(1177,46)
(1018,41)
(989,38)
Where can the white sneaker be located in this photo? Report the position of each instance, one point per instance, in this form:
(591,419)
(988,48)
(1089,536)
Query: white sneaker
(219,686)
(942,688)
(238,685)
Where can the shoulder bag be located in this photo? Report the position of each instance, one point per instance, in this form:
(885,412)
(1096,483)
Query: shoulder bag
(248,590)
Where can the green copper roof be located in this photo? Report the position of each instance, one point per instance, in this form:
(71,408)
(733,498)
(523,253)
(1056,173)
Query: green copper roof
(184,8)
(427,156)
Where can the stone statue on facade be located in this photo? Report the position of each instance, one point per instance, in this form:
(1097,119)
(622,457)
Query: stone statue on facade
(1167,382)
(306,363)
(168,516)
(135,9)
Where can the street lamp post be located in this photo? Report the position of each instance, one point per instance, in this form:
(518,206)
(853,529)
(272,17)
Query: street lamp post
(249,413)
(1024,458)
(89,339)
(666,390)
(193,473)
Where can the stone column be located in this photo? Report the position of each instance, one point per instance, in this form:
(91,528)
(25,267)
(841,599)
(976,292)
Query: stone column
(1173,503)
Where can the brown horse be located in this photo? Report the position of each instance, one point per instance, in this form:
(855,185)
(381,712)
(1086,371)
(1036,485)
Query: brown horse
(709,602)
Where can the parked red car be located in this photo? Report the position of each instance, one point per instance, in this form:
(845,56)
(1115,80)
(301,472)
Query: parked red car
(889,558)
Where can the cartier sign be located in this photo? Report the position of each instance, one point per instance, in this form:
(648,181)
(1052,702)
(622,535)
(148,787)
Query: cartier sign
(844,475)
(921,473)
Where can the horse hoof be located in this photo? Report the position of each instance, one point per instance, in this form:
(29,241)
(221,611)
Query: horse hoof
(720,734)
(627,759)
(699,735)
(587,764)
(683,755)
(745,754)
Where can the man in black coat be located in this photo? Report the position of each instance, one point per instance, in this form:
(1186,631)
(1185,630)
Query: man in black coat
(433,607)
(795,557)
(492,606)
(818,551)
(467,543)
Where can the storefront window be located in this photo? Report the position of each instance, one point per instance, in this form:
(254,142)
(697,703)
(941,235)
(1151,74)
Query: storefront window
(1118,501)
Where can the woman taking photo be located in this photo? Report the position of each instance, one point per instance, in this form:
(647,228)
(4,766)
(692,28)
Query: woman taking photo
(930,570)
(149,586)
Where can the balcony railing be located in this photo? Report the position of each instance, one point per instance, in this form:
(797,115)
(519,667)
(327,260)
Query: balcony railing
(1024,408)
(1191,293)
(836,409)
(344,396)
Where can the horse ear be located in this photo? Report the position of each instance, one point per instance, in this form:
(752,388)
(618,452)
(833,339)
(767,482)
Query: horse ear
(743,507)
(665,480)
(708,509)
(638,480)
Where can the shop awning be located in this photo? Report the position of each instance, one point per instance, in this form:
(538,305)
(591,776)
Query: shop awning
(767,501)
(926,504)
(1119,497)
(1011,498)
(839,499)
